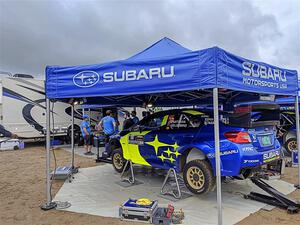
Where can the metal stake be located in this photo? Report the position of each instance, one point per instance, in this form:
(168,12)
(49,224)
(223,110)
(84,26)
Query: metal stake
(217,154)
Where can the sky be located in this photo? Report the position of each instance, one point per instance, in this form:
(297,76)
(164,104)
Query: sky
(37,33)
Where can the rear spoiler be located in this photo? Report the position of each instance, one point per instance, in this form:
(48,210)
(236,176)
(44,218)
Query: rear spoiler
(254,116)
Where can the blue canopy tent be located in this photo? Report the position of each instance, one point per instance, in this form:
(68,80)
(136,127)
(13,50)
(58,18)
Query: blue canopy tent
(168,74)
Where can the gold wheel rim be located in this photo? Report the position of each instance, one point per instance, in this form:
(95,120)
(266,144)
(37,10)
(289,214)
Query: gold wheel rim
(292,145)
(118,161)
(195,177)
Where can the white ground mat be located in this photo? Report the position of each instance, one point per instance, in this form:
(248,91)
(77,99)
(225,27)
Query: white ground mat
(79,150)
(95,191)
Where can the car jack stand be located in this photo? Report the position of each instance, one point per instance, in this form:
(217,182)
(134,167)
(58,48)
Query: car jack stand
(48,206)
(130,179)
(175,193)
(276,198)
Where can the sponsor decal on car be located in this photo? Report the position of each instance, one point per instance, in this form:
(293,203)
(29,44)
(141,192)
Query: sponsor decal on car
(251,161)
(248,149)
(270,156)
(229,152)
(136,139)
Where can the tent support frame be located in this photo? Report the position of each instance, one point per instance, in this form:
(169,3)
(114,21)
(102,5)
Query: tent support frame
(217,153)
(49,204)
(73,168)
(72,135)
(298,136)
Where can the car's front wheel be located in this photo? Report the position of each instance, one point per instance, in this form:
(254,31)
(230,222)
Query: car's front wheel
(290,145)
(198,176)
(118,160)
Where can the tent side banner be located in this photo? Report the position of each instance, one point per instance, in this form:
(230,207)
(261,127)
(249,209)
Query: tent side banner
(242,74)
(128,77)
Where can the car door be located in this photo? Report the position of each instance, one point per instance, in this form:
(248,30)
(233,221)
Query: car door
(175,131)
(140,144)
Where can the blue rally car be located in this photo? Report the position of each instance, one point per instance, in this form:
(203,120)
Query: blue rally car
(183,139)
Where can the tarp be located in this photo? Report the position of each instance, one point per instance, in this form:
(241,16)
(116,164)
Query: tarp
(152,71)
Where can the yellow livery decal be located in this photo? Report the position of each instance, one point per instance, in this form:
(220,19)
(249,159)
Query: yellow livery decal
(131,151)
(193,112)
(164,121)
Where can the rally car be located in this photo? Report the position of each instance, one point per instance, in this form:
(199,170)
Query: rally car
(183,139)
(287,131)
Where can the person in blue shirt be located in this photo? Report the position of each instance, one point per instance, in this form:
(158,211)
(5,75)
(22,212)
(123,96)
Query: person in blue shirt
(87,135)
(134,117)
(108,125)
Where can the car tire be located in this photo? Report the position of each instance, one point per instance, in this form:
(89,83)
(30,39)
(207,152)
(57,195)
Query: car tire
(198,176)
(118,160)
(290,145)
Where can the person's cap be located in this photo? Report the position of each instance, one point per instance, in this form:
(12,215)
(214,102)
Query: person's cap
(85,116)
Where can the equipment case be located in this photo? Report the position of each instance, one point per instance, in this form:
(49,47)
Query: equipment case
(132,211)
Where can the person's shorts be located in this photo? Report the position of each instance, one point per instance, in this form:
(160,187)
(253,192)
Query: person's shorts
(88,140)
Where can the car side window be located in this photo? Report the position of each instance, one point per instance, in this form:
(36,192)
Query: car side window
(154,122)
(195,121)
(175,121)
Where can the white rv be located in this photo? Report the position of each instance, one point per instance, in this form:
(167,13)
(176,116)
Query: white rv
(23,112)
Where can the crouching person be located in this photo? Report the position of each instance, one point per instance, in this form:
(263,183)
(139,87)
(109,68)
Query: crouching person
(108,125)
(87,135)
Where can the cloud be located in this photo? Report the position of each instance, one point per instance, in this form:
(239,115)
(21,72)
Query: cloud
(34,34)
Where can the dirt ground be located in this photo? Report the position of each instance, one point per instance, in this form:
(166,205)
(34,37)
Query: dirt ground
(22,191)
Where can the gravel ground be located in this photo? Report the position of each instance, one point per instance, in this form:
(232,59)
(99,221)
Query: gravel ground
(22,190)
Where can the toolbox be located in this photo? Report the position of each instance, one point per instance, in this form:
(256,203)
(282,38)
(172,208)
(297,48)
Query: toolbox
(131,210)
(162,217)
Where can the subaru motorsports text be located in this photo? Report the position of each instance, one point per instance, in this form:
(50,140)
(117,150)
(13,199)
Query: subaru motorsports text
(183,139)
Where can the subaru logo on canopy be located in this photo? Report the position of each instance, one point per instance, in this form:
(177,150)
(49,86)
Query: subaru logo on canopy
(86,79)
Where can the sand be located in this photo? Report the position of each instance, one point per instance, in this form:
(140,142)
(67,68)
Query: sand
(22,191)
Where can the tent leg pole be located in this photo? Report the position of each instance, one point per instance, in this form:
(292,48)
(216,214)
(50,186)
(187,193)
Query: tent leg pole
(49,204)
(72,135)
(90,115)
(298,136)
(217,154)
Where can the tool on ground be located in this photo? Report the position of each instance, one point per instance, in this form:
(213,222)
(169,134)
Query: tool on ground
(177,217)
(170,211)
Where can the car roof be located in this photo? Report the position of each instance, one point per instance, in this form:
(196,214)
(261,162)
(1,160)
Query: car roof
(176,111)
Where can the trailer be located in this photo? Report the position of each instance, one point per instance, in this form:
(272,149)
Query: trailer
(23,110)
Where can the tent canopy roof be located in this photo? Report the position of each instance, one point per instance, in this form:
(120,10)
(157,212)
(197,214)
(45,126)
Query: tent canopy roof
(164,70)
(162,48)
